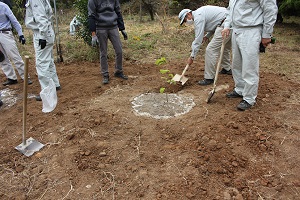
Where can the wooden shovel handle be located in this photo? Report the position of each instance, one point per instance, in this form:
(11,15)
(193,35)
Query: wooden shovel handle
(25,98)
(186,67)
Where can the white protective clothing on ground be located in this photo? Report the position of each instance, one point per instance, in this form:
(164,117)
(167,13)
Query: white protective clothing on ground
(73,25)
(209,19)
(39,18)
(8,44)
(250,21)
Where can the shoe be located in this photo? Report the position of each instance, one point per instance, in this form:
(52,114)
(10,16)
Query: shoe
(10,82)
(105,80)
(1,103)
(224,71)
(38,98)
(244,105)
(29,81)
(206,81)
(121,75)
(58,88)
(233,94)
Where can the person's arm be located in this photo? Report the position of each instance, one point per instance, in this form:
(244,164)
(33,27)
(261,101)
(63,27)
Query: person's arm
(270,10)
(227,22)
(92,15)
(199,33)
(14,21)
(120,20)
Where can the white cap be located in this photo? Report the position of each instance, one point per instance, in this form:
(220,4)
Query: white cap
(182,15)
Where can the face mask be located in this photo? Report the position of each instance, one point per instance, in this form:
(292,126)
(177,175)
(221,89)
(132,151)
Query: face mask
(189,22)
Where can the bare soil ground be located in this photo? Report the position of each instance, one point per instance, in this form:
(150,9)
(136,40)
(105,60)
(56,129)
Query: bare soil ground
(96,147)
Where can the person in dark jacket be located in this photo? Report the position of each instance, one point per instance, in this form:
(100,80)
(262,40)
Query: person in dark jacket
(105,19)
(7,2)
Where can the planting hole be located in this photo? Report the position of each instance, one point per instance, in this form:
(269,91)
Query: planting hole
(162,106)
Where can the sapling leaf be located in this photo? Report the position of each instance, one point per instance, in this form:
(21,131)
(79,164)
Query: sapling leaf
(162,90)
(164,71)
(161,61)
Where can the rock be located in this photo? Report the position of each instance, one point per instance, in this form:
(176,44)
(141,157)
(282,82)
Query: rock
(70,136)
(102,154)
(189,195)
(87,153)
(19,168)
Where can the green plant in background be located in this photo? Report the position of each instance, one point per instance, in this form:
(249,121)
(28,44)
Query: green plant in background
(82,8)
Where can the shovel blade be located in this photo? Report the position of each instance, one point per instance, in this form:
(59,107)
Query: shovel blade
(210,95)
(177,77)
(183,80)
(30,147)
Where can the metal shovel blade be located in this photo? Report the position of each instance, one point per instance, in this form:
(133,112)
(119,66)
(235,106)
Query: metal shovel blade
(31,146)
(177,77)
(210,95)
(183,80)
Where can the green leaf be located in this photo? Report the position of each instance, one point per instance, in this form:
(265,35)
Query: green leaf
(164,71)
(162,90)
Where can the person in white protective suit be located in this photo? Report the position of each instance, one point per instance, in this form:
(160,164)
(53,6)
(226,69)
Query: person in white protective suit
(252,23)
(208,19)
(8,46)
(74,25)
(39,18)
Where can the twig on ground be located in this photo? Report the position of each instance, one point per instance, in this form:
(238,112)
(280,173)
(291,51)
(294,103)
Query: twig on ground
(139,144)
(206,112)
(69,191)
(186,182)
(282,140)
(112,181)
(260,197)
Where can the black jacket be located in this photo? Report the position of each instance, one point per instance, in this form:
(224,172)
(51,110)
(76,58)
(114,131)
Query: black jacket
(105,14)
(7,2)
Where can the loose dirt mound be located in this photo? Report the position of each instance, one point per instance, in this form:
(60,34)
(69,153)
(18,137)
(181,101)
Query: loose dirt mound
(98,148)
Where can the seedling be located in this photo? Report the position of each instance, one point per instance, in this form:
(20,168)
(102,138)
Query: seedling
(161,61)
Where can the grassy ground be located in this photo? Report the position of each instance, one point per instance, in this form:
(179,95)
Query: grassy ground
(149,41)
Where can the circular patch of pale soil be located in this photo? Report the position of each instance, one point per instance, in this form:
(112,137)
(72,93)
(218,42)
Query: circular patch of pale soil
(162,106)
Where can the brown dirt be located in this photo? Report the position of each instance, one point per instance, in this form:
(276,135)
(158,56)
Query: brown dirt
(96,147)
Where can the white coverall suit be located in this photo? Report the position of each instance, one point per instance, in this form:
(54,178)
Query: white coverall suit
(39,18)
(8,44)
(208,19)
(250,21)
(73,25)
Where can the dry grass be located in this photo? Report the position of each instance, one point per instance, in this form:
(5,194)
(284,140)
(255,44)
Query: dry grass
(147,43)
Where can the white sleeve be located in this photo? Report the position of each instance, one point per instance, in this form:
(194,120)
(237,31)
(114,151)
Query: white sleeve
(199,34)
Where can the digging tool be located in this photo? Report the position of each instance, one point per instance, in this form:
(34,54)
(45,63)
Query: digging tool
(181,78)
(57,39)
(212,92)
(29,146)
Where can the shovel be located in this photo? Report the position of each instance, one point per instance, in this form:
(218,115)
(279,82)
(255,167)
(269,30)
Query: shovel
(181,78)
(212,92)
(29,146)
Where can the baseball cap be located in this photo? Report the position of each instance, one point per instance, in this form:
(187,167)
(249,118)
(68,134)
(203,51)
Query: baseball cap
(182,15)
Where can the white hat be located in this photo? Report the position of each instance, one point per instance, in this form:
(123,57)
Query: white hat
(182,15)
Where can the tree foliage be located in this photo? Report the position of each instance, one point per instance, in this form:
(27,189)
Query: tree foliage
(290,7)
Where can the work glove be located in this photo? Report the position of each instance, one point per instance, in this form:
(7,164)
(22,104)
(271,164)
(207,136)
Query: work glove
(124,34)
(42,43)
(22,39)
(94,40)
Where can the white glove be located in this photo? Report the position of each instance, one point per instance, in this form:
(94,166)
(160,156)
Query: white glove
(94,40)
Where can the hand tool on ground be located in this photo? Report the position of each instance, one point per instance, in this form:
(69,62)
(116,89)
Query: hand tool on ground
(181,78)
(29,146)
(212,92)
